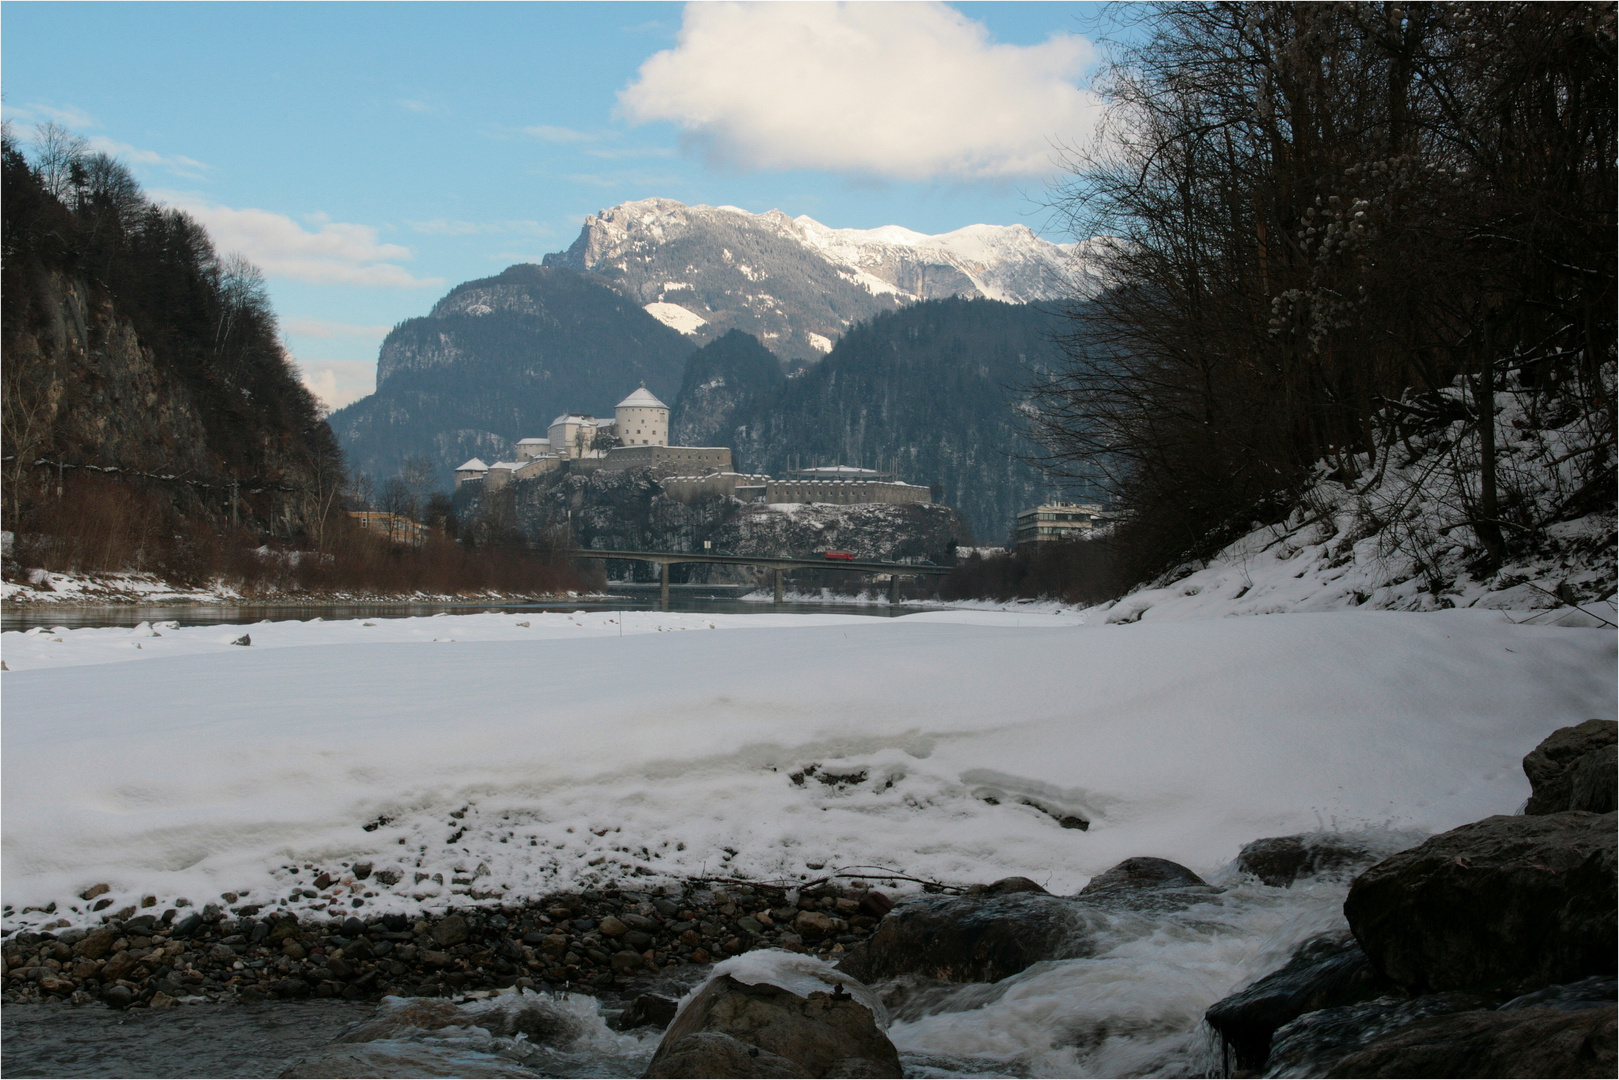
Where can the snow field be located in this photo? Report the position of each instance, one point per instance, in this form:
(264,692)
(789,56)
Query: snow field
(476,758)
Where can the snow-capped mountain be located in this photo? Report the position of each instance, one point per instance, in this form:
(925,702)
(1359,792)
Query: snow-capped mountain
(797,284)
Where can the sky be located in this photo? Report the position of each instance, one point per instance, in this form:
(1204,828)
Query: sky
(368,157)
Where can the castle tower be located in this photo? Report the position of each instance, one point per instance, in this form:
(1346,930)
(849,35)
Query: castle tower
(642,420)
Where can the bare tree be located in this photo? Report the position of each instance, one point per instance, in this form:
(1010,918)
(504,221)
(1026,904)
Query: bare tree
(58,158)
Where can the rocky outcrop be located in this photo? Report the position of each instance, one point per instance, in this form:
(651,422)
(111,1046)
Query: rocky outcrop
(1526,1042)
(732,1028)
(961,939)
(998,930)
(1574,769)
(1507,901)
(1138,874)
(1324,972)
(1281,860)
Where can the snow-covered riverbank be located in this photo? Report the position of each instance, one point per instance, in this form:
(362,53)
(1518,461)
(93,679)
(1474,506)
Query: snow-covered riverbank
(522,758)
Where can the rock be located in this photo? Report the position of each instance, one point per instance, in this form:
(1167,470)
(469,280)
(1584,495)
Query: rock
(389,876)
(362,870)
(120,966)
(712,1054)
(1141,873)
(1503,903)
(451,931)
(1524,1042)
(160,1000)
(188,925)
(95,944)
(817,1036)
(292,950)
(119,997)
(1599,991)
(815,925)
(352,927)
(970,938)
(1592,781)
(291,988)
(1316,1041)
(1551,767)
(627,961)
(612,927)
(245,639)
(1005,887)
(55,984)
(1323,972)
(876,904)
(94,891)
(323,881)
(1281,860)
(654,1007)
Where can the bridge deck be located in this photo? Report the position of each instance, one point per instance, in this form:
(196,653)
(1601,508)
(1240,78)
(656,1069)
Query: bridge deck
(774,562)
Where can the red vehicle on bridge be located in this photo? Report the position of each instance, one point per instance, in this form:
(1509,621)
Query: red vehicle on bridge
(837,555)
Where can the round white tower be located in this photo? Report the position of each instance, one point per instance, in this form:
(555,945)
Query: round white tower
(642,420)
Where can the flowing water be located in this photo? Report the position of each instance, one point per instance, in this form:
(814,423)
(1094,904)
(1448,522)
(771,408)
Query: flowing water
(75,616)
(1132,1007)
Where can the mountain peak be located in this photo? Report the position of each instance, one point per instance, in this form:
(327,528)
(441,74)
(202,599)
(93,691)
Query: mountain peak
(798,284)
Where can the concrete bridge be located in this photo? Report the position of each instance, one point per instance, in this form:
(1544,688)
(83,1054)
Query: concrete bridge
(777,564)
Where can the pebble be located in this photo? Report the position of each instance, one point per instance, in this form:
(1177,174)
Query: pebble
(607,938)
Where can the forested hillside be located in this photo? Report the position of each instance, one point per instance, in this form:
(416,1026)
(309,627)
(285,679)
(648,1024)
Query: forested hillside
(149,406)
(497,360)
(931,391)
(1339,225)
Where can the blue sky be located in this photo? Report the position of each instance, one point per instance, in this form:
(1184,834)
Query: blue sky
(370,156)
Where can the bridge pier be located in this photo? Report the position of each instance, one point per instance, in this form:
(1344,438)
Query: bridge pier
(777,575)
(663,587)
(893,588)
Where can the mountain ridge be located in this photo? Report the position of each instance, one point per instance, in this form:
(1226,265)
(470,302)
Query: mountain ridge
(798,285)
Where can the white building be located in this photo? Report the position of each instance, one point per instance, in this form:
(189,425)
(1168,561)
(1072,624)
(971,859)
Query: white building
(573,435)
(472,469)
(529,449)
(642,420)
(1057,521)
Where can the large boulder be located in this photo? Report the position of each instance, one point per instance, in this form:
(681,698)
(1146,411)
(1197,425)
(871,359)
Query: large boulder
(1316,1041)
(1523,1042)
(1138,874)
(762,1025)
(975,938)
(1574,769)
(1324,972)
(1281,860)
(1505,903)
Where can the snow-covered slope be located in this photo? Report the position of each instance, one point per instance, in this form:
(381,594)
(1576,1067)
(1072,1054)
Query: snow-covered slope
(1395,533)
(797,284)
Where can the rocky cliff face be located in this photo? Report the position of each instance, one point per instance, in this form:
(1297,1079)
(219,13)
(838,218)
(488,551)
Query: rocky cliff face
(797,285)
(495,361)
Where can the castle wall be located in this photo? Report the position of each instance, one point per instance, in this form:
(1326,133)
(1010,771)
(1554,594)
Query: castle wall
(845,492)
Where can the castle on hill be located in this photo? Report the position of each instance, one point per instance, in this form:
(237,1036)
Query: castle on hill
(637,437)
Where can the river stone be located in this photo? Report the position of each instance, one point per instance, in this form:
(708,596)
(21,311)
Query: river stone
(451,930)
(1504,903)
(1594,781)
(1552,767)
(1316,1041)
(95,944)
(818,1036)
(1140,873)
(612,927)
(969,938)
(1597,992)
(1006,886)
(1281,860)
(119,997)
(1323,972)
(713,1054)
(1524,1042)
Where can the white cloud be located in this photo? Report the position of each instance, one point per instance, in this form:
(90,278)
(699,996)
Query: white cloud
(550,133)
(69,116)
(906,91)
(338,382)
(335,253)
(321,328)
(178,164)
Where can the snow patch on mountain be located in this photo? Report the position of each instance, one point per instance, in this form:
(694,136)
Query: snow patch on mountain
(799,284)
(676,317)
